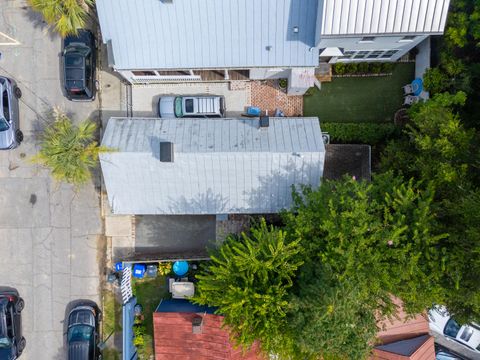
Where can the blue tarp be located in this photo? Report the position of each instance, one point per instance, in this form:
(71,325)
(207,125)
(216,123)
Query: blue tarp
(183,306)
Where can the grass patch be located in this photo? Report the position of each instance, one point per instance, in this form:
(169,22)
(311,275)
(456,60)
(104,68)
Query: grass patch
(149,292)
(112,314)
(111,354)
(360,99)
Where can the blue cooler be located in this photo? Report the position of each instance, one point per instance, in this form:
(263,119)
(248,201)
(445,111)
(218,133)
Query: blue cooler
(253,111)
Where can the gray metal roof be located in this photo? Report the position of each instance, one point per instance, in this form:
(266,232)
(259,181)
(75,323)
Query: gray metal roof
(220,165)
(199,34)
(349,17)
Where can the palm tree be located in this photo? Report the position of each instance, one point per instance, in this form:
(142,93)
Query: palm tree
(70,151)
(66,16)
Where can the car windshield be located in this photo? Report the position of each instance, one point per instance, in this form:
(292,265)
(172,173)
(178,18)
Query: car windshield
(80,333)
(178,107)
(3,124)
(451,328)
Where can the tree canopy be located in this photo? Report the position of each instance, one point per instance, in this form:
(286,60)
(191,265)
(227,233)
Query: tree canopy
(247,280)
(70,151)
(66,16)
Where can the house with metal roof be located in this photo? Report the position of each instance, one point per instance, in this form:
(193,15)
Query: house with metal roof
(153,41)
(209,166)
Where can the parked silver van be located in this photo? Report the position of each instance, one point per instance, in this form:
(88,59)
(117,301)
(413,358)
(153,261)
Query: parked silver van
(10,134)
(210,106)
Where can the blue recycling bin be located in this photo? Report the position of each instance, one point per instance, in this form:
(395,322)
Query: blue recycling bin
(180,268)
(139,270)
(119,266)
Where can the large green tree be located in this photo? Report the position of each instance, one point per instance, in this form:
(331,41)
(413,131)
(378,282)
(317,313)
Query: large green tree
(69,150)
(438,149)
(66,16)
(248,280)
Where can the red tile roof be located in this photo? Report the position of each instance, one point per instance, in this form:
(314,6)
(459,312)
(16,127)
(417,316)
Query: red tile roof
(174,339)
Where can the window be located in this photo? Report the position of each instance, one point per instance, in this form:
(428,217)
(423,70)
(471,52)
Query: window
(375,54)
(407,38)
(189,105)
(467,334)
(388,54)
(361,55)
(6,107)
(451,328)
(144,73)
(367,39)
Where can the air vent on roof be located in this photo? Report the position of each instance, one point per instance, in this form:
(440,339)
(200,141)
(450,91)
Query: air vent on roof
(197,325)
(264,122)
(167,1)
(166,151)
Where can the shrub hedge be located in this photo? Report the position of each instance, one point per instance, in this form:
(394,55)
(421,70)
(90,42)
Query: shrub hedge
(362,68)
(360,133)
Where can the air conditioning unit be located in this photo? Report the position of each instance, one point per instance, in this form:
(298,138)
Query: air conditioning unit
(326,138)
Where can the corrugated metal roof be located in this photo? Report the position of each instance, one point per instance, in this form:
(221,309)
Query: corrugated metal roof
(199,34)
(348,17)
(220,165)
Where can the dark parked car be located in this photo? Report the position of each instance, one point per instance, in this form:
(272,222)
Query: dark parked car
(12,342)
(10,134)
(79,59)
(82,333)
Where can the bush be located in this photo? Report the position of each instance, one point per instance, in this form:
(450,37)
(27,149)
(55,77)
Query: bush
(386,67)
(360,68)
(363,133)
(363,68)
(164,268)
(339,68)
(435,81)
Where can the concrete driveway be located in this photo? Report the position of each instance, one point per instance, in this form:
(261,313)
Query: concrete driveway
(49,233)
(145,98)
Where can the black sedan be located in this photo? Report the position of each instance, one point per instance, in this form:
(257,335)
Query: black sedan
(79,61)
(12,343)
(82,333)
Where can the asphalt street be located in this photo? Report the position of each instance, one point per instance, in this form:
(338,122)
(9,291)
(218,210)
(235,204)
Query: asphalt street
(49,232)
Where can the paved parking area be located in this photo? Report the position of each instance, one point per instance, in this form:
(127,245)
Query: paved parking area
(49,232)
(145,98)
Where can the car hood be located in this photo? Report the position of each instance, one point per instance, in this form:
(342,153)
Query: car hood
(7,353)
(6,138)
(166,107)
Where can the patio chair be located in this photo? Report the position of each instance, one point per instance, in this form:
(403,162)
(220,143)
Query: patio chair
(408,89)
(409,100)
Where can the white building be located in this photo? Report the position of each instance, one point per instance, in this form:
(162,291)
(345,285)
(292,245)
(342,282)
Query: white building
(153,41)
(209,166)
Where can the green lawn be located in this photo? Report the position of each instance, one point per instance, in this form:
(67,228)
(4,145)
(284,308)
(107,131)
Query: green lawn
(360,99)
(149,292)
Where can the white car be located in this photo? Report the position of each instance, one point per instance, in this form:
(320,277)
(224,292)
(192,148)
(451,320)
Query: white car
(191,106)
(441,322)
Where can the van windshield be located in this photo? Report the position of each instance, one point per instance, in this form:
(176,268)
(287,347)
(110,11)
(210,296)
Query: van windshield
(178,107)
